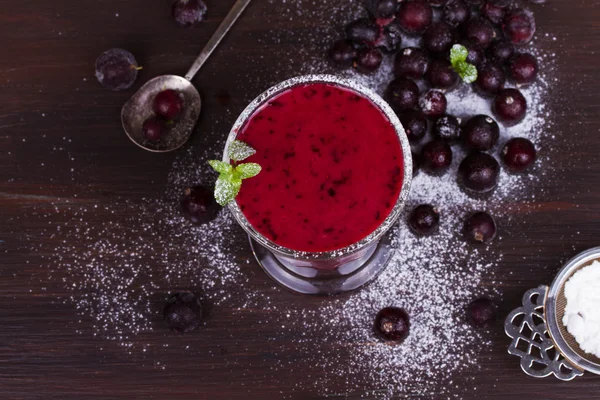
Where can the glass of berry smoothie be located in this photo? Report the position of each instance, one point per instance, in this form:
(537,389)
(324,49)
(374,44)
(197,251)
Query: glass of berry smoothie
(336,171)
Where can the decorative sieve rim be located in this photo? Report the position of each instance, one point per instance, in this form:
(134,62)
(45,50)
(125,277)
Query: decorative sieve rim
(551,315)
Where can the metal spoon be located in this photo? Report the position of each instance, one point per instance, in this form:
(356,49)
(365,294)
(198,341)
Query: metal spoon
(139,107)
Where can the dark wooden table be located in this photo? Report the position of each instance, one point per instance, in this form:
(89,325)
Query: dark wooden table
(61,144)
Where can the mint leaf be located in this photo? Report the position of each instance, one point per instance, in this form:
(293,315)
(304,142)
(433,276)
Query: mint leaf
(221,167)
(458,59)
(239,150)
(247,170)
(458,53)
(226,188)
(469,72)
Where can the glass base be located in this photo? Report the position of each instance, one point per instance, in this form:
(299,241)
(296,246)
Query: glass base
(346,278)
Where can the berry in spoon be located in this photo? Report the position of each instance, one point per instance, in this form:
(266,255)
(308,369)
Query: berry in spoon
(116,69)
(154,129)
(168,104)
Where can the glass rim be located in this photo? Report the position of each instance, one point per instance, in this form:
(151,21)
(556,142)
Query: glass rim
(406,163)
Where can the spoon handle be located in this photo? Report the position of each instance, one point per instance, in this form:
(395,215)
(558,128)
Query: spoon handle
(216,38)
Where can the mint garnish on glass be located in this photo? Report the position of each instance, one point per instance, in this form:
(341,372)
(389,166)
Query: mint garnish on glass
(458,59)
(230,177)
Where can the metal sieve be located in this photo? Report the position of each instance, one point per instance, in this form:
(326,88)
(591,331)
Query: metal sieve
(539,337)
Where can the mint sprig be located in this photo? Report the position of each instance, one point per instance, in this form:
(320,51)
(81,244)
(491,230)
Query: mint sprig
(230,177)
(458,59)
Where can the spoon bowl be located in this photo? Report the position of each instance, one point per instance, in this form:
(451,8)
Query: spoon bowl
(139,108)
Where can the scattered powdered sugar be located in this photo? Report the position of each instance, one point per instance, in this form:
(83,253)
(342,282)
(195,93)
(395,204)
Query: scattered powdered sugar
(116,273)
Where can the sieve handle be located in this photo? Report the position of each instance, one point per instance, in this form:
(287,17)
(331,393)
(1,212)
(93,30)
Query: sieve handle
(531,341)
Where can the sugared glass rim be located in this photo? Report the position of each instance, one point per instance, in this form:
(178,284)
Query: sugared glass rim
(406,156)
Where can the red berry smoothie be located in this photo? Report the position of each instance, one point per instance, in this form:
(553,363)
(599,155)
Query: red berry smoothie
(332,168)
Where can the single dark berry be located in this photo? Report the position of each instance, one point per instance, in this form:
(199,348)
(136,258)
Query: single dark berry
(433,104)
(402,94)
(414,16)
(382,8)
(342,53)
(510,106)
(480,228)
(490,79)
(437,3)
(479,31)
(518,154)
(493,13)
(390,39)
(480,312)
(368,60)
(501,51)
(188,12)
(116,69)
(362,31)
(456,12)
(447,128)
(519,26)
(414,123)
(411,62)
(439,38)
(424,220)
(474,2)
(523,69)
(480,132)
(416,163)
(392,324)
(154,129)
(479,172)
(168,104)
(183,312)
(436,157)
(475,55)
(441,75)
(198,205)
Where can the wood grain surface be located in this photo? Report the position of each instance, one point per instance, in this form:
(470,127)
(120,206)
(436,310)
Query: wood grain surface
(50,100)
